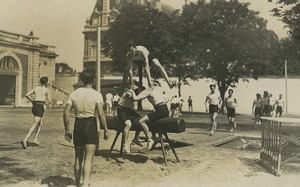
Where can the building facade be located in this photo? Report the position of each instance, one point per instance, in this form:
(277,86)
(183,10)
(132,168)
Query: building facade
(105,11)
(23,60)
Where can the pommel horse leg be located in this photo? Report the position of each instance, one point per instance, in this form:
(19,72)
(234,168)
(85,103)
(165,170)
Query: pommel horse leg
(172,147)
(113,144)
(163,147)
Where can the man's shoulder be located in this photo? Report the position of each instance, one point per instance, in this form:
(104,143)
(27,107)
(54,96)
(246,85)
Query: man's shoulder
(142,49)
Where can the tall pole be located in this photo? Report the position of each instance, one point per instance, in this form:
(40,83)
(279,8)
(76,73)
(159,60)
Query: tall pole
(98,61)
(98,77)
(286,88)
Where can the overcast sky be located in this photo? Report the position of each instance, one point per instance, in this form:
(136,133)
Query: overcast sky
(61,22)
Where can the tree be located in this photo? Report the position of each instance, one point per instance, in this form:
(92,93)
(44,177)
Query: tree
(162,34)
(289,13)
(229,41)
(143,25)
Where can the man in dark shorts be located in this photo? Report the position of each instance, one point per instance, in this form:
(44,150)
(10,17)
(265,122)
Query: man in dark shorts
(38,96)
(86,103)
(214,101)
(142,57)
(126,113)
(190,104)
(257,109)
(161,109)
(230,104)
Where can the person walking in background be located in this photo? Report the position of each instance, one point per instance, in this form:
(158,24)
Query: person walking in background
(86,103)
(266,107)
(39,97)
(230,103)
(272,105)
(142,57)
(180,104)
(116,99)
(109,103)
(175,107)
(214,100)
(257,109)
(190,104)
(279,104)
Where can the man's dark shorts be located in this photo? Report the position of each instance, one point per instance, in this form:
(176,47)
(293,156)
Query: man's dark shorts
(126,113)
(161,111)
(257,111)
(213,109)
(267,109)
(38,108)
(85,131)
(231,112)
(141,62)
(279,110)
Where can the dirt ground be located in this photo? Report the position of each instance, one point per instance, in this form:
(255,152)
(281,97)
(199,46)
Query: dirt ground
(201,163)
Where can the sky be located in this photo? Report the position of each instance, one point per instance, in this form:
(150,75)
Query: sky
(61,22)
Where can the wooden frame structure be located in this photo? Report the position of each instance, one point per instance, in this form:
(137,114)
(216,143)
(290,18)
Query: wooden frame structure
(274,142)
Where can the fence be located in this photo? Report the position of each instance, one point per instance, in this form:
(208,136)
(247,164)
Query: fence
(275,142)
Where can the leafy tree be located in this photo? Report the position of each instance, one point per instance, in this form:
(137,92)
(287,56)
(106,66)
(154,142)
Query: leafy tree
(162,34)
(144,26)
(229,41)
(289,13)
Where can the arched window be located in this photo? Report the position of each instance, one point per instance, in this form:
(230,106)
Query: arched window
(8,63)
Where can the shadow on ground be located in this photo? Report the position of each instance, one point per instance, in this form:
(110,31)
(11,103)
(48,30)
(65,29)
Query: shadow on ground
(58,181)
(115,155)
(13,172)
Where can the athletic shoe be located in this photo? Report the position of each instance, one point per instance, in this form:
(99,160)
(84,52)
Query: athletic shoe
(126,150)
(24,144)
(211,133)
(137,142)
(231,130)
(149,145)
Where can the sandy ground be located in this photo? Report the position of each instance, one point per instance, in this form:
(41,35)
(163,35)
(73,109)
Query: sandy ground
(201,164)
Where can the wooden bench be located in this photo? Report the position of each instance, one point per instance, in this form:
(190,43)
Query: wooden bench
(162,127)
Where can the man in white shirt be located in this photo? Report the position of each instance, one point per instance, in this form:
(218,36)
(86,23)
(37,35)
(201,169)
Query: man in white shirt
(86,103)
(109,103)
(214,100)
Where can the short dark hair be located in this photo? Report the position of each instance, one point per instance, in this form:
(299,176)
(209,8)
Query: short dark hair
(138,90)
(131,43)
(230,90)
(43,80)
(87,76)
(212,85)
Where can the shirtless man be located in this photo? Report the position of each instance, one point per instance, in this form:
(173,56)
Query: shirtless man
(142,57)
(156,98)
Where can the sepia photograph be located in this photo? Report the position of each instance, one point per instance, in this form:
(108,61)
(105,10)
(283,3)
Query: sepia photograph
(134,93)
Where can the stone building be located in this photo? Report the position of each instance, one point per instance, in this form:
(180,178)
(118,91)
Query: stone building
(23,60)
